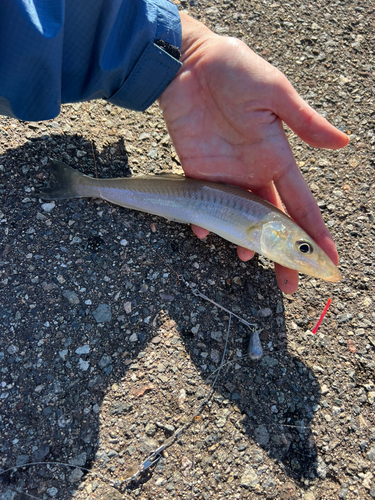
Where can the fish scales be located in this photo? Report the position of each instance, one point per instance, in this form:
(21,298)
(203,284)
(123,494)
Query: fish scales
(228,211)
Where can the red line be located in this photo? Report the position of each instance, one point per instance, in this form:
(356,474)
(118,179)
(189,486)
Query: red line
(322,316)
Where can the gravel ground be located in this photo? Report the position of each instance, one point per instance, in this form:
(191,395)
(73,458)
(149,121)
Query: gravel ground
(103,352)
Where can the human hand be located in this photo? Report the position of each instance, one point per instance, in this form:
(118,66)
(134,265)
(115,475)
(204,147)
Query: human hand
(224,113)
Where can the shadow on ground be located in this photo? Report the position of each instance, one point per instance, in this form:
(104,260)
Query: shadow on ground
(66,336)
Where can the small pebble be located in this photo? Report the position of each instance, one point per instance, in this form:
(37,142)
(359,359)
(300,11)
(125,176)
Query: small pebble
(75,475)
(249,479)
(102,313)
(105,361)
(264,313)
(79,460)
(63,354)
(48,207)
(261,435)
(83,365)
(71,296)
(215,356)
(85,349)
(52,492)
(22,460)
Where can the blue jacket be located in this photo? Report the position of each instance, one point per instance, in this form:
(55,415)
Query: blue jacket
(58,51)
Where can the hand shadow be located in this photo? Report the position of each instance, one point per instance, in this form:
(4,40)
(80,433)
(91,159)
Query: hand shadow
(67,338)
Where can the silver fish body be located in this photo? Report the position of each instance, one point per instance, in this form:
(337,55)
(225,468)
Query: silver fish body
(230,212)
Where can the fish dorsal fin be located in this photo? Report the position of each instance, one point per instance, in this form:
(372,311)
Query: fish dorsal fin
(162,175)
(170,175)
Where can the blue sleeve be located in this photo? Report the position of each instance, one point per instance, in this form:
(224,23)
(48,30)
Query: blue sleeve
(59,51)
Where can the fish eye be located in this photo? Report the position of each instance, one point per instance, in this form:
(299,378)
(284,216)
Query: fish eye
(305,247)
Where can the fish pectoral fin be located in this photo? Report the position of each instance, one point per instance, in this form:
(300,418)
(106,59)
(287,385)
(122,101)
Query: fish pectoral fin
(254,232)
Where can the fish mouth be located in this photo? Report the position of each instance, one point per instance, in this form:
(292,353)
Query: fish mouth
(325,270)
(335,277)
(331,274)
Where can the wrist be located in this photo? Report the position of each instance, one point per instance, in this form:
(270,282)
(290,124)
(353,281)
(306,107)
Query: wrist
(194,34)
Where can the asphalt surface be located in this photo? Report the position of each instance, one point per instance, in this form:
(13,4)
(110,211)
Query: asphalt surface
(104,352)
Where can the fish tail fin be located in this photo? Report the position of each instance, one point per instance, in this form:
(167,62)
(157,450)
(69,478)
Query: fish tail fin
(66,182)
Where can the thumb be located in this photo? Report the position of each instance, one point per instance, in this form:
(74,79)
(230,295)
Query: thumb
(309,125)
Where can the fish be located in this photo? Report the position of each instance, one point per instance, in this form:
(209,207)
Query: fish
(233,213)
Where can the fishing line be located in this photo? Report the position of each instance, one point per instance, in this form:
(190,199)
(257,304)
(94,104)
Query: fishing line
(13,469)
(255,349)
(255,352)
(155,455)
